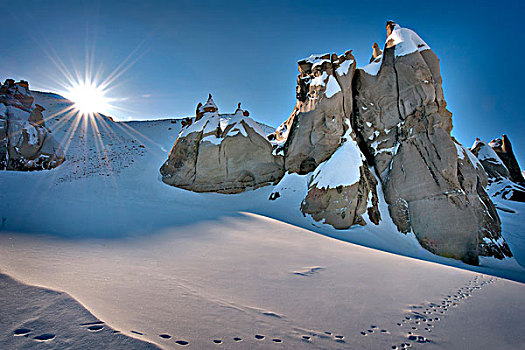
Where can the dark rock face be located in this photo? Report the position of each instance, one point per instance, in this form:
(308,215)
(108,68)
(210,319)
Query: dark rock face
(25,142)
(497,159)
(225,153)
(503,149)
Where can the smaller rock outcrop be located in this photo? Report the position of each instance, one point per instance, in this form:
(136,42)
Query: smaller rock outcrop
(225,153)
(25,141)
(324,101)
(503,149)
(498,159)
(343,188)
(376,53)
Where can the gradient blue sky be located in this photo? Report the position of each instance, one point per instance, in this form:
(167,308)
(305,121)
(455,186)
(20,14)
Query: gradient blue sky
(247,51)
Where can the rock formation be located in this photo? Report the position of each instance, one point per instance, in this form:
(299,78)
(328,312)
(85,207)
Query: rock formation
(498,159)
(400,114)
(25,142)
(376,53)
(343,188)
(503,149)
(225,153)
(353,129)
(314,129)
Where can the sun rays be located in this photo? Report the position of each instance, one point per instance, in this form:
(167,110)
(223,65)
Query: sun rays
(88,98)
(84,121)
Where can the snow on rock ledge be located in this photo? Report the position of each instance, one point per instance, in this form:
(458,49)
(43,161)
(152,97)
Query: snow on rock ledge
(401,115)
(324,101)
(342,188)
(225,153)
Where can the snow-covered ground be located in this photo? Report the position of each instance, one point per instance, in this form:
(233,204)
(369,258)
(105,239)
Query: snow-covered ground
(207,268)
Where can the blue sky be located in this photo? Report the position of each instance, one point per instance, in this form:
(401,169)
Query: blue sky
(247,51)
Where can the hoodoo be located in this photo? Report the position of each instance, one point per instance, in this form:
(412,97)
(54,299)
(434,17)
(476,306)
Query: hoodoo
(225,153)
(351,130)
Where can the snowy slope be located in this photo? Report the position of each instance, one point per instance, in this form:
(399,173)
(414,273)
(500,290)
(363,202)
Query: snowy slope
(203,267)
(110,186)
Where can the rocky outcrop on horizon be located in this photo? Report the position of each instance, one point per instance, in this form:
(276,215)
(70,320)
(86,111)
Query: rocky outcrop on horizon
(25,141)
(354,129)
(225,153)
(505,179)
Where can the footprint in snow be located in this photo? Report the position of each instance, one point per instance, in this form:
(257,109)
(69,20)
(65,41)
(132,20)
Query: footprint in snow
(21,332)
(44,337)
(308,271)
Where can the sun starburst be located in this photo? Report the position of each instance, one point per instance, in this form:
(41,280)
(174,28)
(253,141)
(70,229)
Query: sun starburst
(88,98)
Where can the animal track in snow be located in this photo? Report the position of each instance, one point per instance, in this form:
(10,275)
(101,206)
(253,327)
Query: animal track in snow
(95,328)
(21,332)
(44,337)
(424,317)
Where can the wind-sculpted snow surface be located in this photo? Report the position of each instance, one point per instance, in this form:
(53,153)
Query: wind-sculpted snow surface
(25,141)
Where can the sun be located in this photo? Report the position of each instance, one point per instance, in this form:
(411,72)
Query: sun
(88,98)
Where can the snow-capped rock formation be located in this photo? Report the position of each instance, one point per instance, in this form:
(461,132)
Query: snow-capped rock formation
(498,159)
(225,153)
(353,129)
(25,141)
(342,188)
(400,114)
(314,129)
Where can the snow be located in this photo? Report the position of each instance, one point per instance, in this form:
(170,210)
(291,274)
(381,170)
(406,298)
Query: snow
(32,133)
(487,153)
(319,80)
(143,256)
(332,87)
(373,67)
(211,122)
(406,41)
(344,67)
(315,59)
(461,151)
(342,168)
